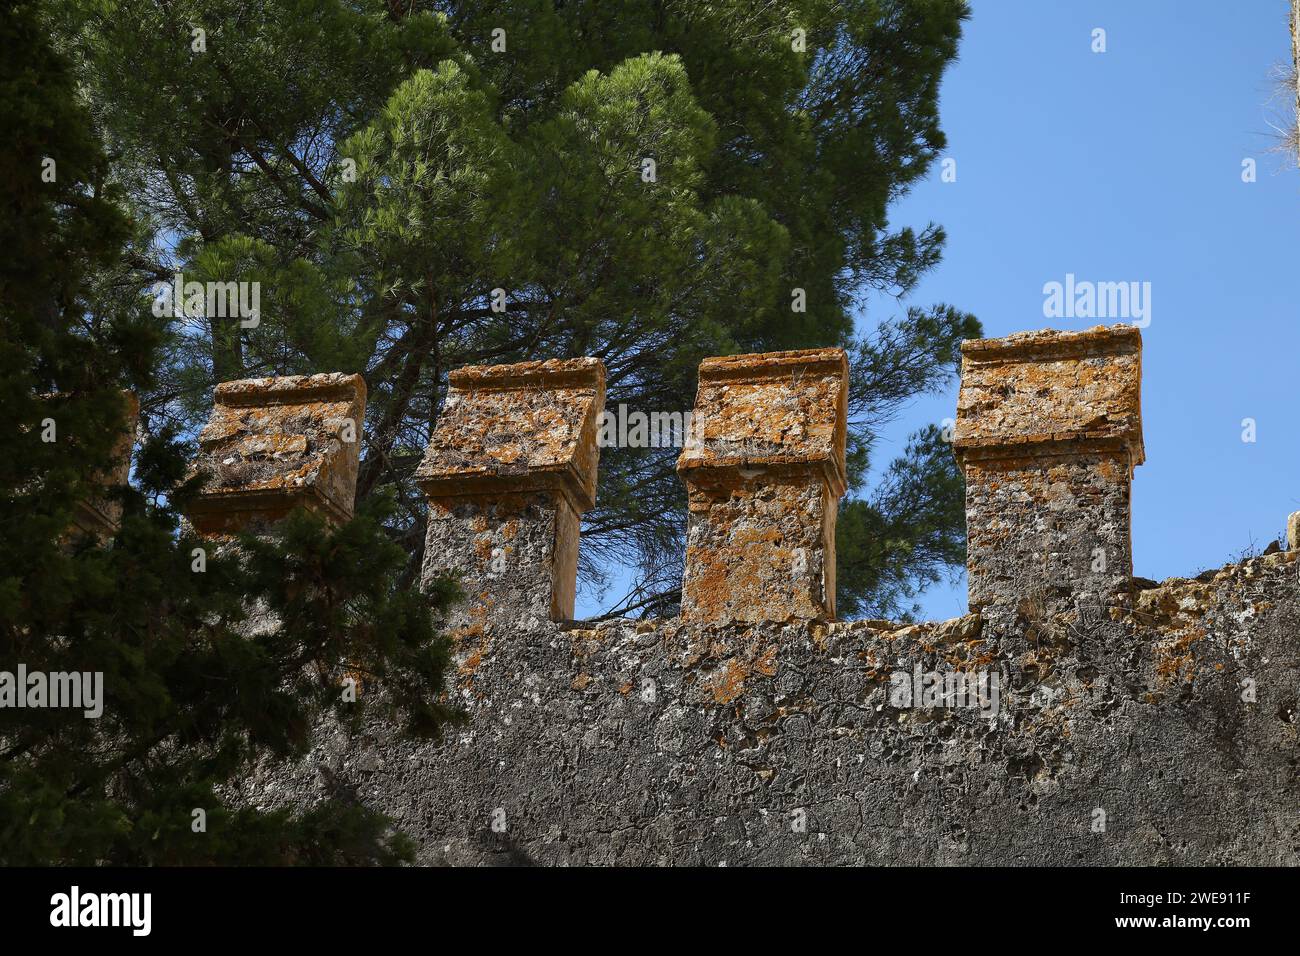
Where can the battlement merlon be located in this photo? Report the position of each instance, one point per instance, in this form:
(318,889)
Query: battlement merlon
(1048,431)
(508,473)
(764,470)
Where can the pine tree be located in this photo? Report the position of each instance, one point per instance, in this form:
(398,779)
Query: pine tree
(192,695)
(423,185)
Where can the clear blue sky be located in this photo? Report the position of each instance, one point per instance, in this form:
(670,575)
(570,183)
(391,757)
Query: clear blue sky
(1126,165)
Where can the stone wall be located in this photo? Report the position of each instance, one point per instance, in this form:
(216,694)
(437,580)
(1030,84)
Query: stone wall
(663,743)
(1076,716)
(1052,529)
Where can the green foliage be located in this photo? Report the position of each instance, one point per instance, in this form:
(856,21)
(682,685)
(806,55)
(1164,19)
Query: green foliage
(780,133)
(910,531)
(203,673)
(907,535)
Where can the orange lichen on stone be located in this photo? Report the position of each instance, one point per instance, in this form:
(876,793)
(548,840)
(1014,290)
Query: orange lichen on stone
(273,444)
(764,472)
(1046,387)
(1175,659)
(729,683)
(778,411)
(470,642)
(518,428)
(759,551)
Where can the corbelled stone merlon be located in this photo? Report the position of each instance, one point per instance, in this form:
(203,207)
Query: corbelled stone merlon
(764,472)
(1049,429)
(509,471)
(274,444)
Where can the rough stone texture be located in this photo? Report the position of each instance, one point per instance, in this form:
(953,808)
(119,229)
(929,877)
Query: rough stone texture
(525,427)
(758,550)
(1293,531)
(509,471)
(1157,730)
(1048,530)
(273,444)
(1050,387)
(764,476)
(1049,429)
(674,743)
(100,516)
(516,558)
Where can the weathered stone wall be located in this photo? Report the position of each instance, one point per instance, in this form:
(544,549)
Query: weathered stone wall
(1076,716)
(758,550)
(501,550)
(665,743)
(1048,530)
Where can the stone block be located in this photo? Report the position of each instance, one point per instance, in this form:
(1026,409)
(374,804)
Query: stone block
(274,444)
(1038,391)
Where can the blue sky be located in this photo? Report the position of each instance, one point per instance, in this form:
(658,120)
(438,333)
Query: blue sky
(1127,166)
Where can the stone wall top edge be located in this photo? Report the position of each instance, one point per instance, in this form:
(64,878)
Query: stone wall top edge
(770,365)
(292,389)
(959,628)
(584,373)
(1053,343)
